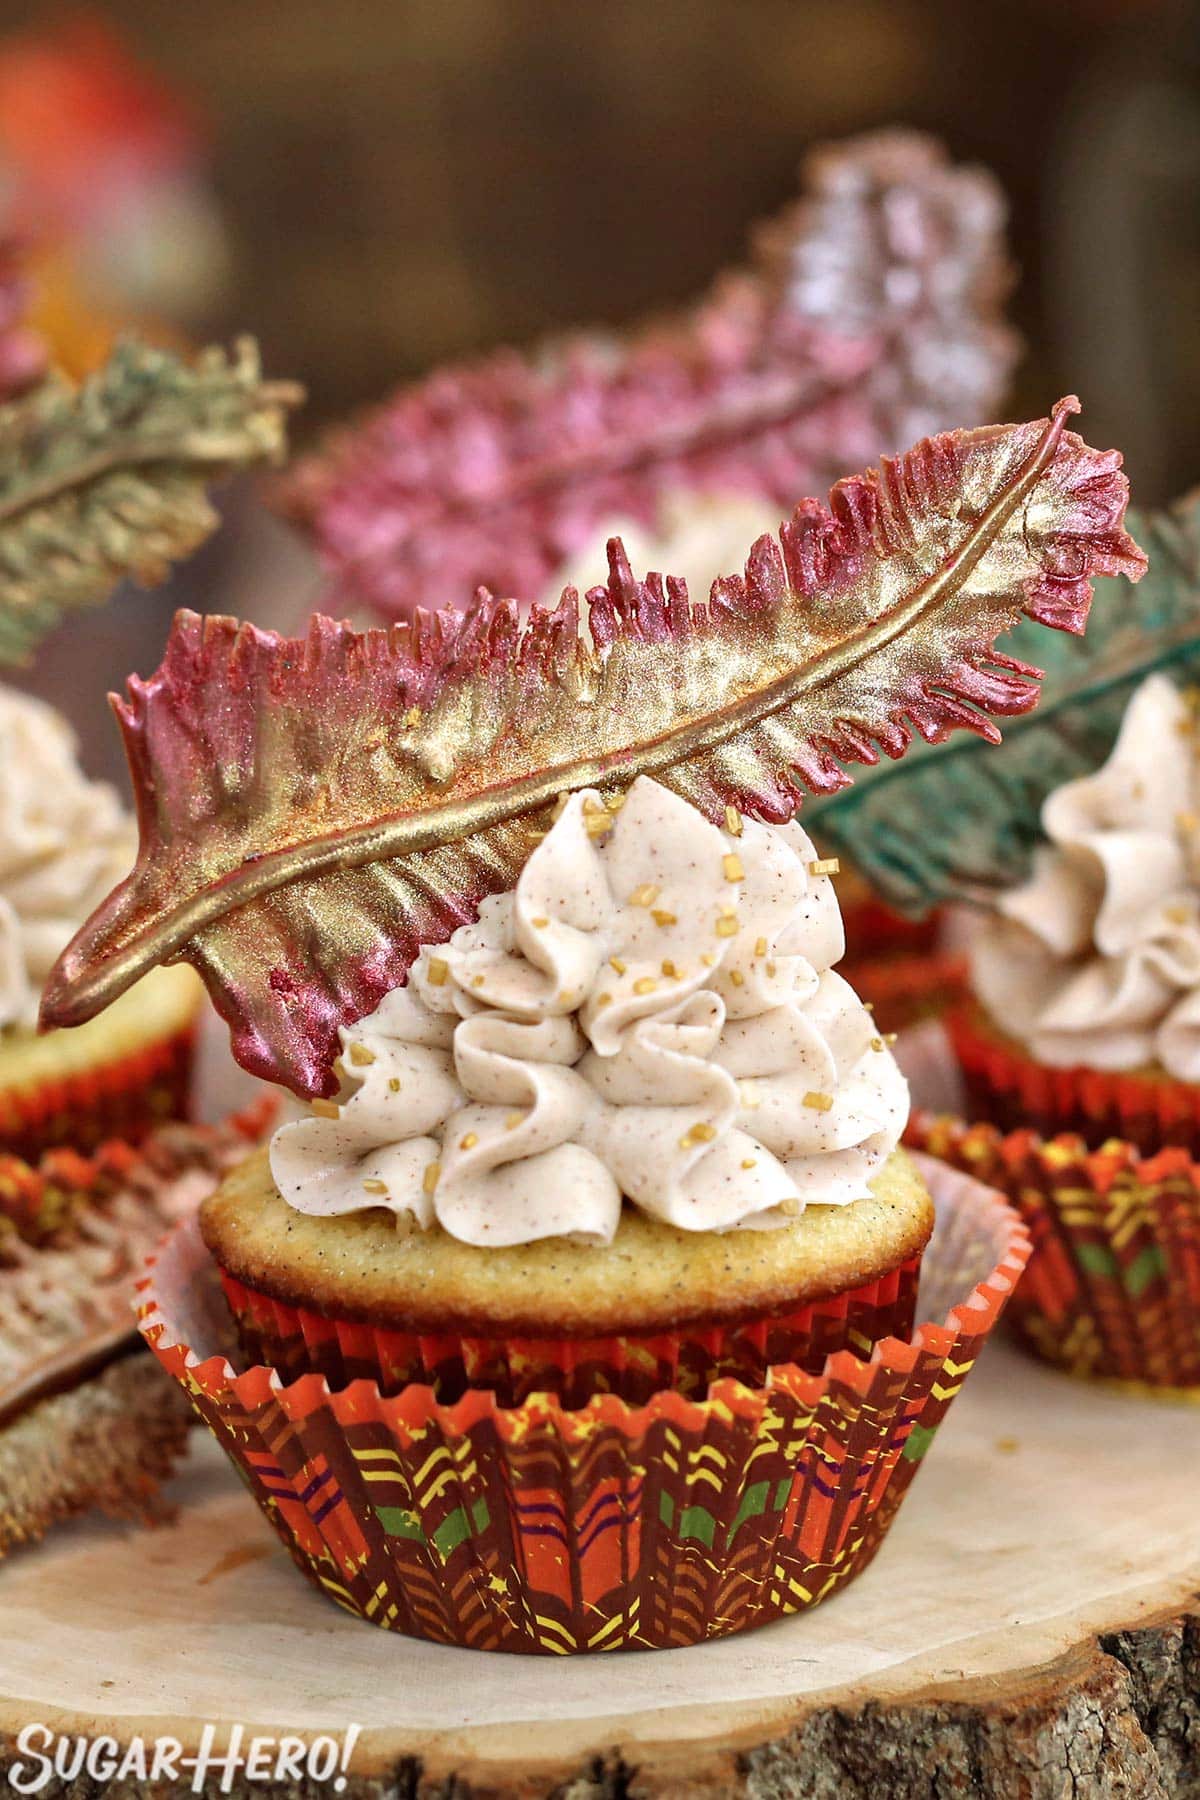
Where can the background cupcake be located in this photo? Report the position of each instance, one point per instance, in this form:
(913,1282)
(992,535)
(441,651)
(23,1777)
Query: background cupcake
(64,842)
(1087,976)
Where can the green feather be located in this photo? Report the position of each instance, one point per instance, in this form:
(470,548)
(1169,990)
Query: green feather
(109,479)
(957,820)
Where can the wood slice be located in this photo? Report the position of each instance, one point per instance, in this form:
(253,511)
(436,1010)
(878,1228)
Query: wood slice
(1031,1628)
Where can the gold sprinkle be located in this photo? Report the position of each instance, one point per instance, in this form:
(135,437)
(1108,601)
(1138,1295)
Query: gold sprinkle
(540,924)
(662,917)
(644,895)
(596,824)
(477,980)
(669,970)
(1177,915)
(877,1043)
(615,963)
(749,1095)
(372,1186)
(700,1133)
(560,805)
(592,806)
(889,1037)
(360,1055)
(614,802)
(432,1176)
(733,821)
(771,967)
(868,1006)
(827,865)
(748,1162)
(327,1109)
(818,1102)
(513,1120)
(438,971)
(791,1208)
(468,1141)
(394,1083)
(604,1000)
(709,960)
(732,865)
(727,927)
(412,718)
(645,984)
(737,978)
(1188,821)
(760,948)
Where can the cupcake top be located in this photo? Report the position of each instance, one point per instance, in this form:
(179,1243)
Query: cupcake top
(650,1016)
(1096,958)
(64,842)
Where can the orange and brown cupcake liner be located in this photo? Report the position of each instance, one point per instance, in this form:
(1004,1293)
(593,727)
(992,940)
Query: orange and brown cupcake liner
(125,1098)
(1113,1286)
(1011,1090)
(540,1528)
(296,1340)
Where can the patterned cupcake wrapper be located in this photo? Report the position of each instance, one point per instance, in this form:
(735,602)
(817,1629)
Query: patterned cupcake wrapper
(541,1529)
(125,1098)
(1012,1091)
(1112,1291)
(295,1341)
(905,990)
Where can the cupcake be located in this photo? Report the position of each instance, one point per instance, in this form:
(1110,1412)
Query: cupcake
(629,1131)
(1112,1291)
(578,1314)
(64,841)
(1084,1013)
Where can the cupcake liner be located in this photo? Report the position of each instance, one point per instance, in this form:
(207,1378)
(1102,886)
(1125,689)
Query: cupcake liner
(125,1098)
(295,1341)
(542,1529)
(906,990)
(875,931)
(1113,1285)
(1011,1090)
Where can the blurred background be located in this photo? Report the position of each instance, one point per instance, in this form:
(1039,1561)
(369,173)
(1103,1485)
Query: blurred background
(373,188)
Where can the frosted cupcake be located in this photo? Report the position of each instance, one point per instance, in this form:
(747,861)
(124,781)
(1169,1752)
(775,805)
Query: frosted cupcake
(629,1131)
(1086,1013)
(64,842)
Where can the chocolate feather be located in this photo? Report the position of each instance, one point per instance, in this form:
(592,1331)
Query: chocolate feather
(312,810)
(948,826)
(110,479)
(868,315)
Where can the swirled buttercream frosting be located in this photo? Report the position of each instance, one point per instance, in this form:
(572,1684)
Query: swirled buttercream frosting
(650,1018)
(65,842)
(1096,959)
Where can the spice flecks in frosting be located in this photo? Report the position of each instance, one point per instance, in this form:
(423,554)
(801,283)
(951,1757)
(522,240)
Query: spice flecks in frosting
(1096,959)
(639,1020)
(64,842)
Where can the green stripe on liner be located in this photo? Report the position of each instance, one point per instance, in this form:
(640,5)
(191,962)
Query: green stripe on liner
(1145,1267)
(697,1522)
(1095,1259)
(754,1501)
(918,1441)
(398,1521)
